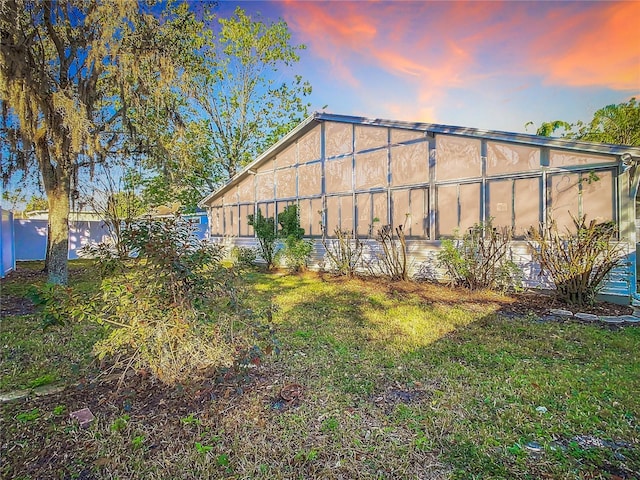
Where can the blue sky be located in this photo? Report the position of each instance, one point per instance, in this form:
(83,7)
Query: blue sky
(494,65)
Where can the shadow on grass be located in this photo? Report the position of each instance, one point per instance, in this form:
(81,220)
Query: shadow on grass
(473,374)
(400,381)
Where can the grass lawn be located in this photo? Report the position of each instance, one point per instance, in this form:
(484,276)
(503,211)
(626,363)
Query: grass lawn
(395,381)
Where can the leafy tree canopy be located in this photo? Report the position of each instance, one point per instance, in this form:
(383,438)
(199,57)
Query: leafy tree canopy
(617,124)
(241,100)
(82,81)
(36,202)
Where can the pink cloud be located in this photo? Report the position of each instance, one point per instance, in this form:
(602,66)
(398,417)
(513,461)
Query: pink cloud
(599,47)
(433,46)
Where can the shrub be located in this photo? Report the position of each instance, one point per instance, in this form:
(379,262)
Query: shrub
(577,261)
(244,257)
(53,302)
(265,228)
(392,260)
(170,310)
(289,221)
(297,251)
(481,259)
(344,253)
(106,253)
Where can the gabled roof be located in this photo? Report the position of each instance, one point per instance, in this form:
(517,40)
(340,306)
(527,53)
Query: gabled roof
(431,128)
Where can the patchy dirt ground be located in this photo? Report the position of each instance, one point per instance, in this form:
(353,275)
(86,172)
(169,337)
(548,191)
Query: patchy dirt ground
(40,440)
(525,303)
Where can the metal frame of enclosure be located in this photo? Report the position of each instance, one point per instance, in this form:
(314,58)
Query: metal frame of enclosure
(353,172)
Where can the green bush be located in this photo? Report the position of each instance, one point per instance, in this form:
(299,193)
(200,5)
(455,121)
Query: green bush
(289,222)
(297,251)
(170,310)
(265,228)
(577,261)
(481,259)
(244,257)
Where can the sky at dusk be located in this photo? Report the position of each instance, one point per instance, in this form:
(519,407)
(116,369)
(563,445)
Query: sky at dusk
(493,65)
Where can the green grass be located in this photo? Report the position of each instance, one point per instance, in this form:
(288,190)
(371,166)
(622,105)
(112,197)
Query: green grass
(399,382)
(31,356)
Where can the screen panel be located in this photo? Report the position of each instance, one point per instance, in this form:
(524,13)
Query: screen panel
(216,227)
(564,196)
(419,210)
(380,208)
(368,137)
(363,211)
(399,135)
(338,175)
(264,186)
(310,179)
(598,196)
(558,158)
(410,164)
(333,215)
(504,158)
(501,202)
(400,208)
(371,170)
(246,190)
(267,209)
(304,212)
(287,157)
(338,138)
(527,205)
(469,200)
(447,210)
(245,229)
(285,183)
(309,146)
(346,213)
(457,158)
(316,217)
(230,220)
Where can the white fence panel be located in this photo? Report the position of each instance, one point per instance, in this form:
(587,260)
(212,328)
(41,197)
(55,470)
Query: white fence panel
(7,257)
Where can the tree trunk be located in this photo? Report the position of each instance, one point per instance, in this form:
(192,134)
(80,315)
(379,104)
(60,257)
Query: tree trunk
(57,268)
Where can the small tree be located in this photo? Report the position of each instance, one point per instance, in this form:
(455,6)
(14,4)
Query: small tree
(265,228)
(577,262)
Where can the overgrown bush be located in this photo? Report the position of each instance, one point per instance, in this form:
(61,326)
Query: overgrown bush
(172,310)
(106,253)
(577,261)
(265,228)
(481,259)
(344,253)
